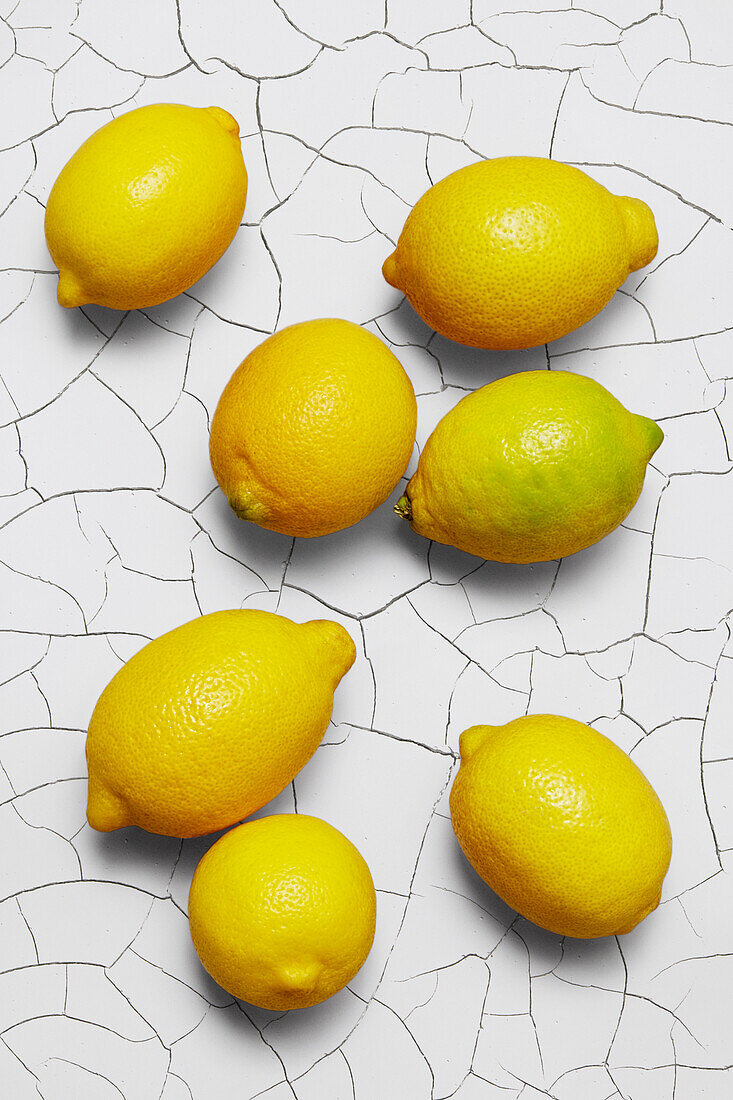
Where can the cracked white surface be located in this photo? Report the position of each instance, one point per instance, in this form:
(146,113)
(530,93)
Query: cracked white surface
(112,531)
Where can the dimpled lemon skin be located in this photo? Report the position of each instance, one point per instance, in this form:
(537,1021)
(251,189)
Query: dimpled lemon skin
(146,206)
(517,251)
(282,911)
(314,429)
(530,468)
(561,824)
(210,721)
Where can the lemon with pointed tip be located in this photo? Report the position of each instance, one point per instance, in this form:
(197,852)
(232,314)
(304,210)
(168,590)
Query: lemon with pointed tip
(561,824)
(282,911)
(530,468)
(517,251)
(146,206)
(207,723)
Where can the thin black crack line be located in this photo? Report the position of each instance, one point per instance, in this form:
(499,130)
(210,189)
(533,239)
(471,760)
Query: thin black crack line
(10,313)
(185,1084)
(30,932)
(414,875)
(319,153)
(156,966)
(124,69)
(671,256)
(69,1016)
(17,1057)
(184,47)
(110,107)
(24,671)
(657,183)
(639,997)
(360,617)
(299,30)
(142,572)
(348,1067)
(53,125)
(622,1006)
(261,1032)
(85,369)
(205,1005)
(647,311)
(3,771)
(86,1069)
(20,894)
(137,417)
(419,1049)
(256,79)
(42,787)
(228,320)
(396,737)
(44,580)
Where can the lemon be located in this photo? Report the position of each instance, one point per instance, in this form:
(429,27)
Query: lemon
(530,468)
(282,911)
(146,206)
(314,429)
(561,824)
(210,721)
(517,251)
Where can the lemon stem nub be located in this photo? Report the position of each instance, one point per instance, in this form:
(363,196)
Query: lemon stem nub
(105,810)
(651,433)
(389,270)
(641,231)
(69,292)
(403,508)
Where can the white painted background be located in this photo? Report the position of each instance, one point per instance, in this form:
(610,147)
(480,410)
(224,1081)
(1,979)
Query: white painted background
(112,531)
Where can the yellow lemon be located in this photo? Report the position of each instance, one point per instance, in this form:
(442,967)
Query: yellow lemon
(517,251)
(146,206)
(210,721)
(314,429)
(282,911)
(530,468)
(561,824)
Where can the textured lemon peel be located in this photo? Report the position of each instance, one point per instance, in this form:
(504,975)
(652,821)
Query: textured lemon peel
(208,722)
(69,291)
(549,273)
(554,859)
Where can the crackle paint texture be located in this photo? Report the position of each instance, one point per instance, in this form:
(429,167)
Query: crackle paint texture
(112,531)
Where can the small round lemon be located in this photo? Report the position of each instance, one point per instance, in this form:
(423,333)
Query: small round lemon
(314,429)
(282,911)
(146,206)
(561,824)
(517,251)
(207,723)
(530,468)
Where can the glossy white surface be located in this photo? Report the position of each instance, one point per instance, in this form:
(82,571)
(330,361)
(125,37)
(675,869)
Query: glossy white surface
(113,532)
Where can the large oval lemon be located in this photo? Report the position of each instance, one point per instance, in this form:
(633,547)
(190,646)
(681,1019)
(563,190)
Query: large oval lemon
(314,429)
(530,468)
(146,206)
(210,721)
(518,251)
(561,824)
(282,911)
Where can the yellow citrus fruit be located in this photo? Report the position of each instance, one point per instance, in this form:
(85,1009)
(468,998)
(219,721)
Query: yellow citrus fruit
(561,824)
(530,468)
(146,206)
(210,721)
(518,251)
(314,429)
(282,911)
